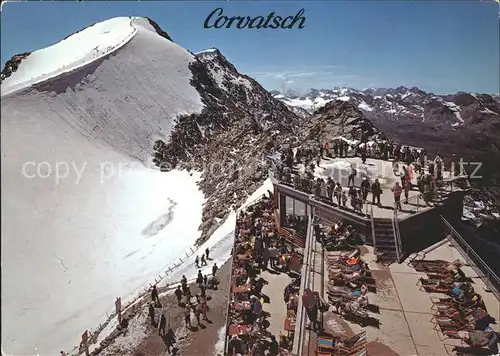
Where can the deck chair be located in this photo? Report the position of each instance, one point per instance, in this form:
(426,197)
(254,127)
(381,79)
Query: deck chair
(352,345)
(325,345)
(361,352)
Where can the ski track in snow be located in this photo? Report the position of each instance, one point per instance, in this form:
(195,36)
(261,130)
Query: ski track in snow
(91,217)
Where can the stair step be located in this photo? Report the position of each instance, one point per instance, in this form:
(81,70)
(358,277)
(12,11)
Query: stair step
(384,238)
(386,246)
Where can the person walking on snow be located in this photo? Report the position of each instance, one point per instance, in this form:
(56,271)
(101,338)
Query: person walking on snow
(203,260)
(197,262)
(170,340)
(187,316)
(204,307)
(152,313)
(162,325)
(199,279)
(214,269)
(178,294)
(154,295)
(207,251)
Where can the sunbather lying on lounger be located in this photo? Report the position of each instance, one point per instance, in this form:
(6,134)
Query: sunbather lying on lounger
(476,338)
(346,277)
(357,306)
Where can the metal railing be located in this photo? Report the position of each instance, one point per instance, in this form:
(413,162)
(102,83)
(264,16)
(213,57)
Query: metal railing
(372,223)
(489,277)
(397,236)
(301,320)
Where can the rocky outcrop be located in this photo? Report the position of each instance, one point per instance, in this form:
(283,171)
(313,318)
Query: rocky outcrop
(159,30)
(229,140)
(12,64)
(340,118)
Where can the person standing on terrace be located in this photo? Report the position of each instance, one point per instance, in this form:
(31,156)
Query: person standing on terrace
(351,177)
(365,187)
(338,192)
(310,301)
(397,190)
(376,192)
(407,188)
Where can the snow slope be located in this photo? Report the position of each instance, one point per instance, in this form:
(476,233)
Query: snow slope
(220,245)
(84,217)
(79,49)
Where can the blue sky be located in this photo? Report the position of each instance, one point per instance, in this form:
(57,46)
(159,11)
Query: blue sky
(439,46)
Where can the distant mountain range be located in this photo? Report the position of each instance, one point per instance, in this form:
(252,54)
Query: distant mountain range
(453,110)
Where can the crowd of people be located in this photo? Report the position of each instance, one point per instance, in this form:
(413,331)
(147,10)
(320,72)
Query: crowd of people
(258,247)
(462,314)
(349,276)
(195,305)
(409,163)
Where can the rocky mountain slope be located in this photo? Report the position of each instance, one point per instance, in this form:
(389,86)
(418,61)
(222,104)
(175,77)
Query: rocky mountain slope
(228,141)
(338,118)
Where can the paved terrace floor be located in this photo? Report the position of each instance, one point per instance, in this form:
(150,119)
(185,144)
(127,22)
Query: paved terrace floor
(405,310)
(373,168)
(277,283)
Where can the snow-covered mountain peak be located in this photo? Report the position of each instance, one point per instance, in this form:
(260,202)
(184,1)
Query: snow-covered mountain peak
(76,50)
(404,103)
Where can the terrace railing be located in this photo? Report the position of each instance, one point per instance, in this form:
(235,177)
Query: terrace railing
(489,277)
(397,236)
(301,320)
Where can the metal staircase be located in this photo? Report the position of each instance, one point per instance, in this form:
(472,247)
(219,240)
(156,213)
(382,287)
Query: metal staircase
(386,248)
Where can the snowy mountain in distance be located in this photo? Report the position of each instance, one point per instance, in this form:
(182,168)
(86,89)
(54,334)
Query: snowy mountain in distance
(405,104)
(83,204)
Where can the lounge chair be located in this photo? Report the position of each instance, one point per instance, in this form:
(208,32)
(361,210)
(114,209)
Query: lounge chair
(325,345)
(435,266)
(352,346)
(344,255)
(469,321)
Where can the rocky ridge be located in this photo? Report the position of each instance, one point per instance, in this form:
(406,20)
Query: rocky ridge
(229,140)
(339,118)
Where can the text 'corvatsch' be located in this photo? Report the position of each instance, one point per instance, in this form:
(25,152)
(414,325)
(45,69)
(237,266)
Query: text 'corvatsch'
(217,19)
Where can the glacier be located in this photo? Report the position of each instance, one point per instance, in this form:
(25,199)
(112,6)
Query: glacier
(85,216)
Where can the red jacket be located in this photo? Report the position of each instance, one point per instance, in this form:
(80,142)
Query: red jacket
(397,190)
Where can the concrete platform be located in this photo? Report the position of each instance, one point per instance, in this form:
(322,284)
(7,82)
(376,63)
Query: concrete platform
(276,307)
(405,310)
(339,169)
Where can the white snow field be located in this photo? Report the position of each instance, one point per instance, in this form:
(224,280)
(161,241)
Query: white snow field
(220,244)
(85,217)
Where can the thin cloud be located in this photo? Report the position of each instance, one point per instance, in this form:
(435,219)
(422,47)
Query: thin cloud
(285,75)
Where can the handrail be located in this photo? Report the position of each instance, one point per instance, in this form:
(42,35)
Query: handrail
(437,195)
(300,323)
(490,278)
(374,238)
(397,236)
(365,203)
